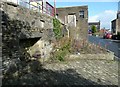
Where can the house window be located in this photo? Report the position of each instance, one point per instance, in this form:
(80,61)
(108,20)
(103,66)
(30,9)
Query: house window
(81,13)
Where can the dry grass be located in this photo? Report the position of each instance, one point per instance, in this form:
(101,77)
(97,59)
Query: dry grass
(66,46)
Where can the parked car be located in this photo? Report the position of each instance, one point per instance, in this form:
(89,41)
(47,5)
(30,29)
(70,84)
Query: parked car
(107,36)
(89,32)
(116,37)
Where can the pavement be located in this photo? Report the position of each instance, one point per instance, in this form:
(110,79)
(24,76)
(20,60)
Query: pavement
(118,41)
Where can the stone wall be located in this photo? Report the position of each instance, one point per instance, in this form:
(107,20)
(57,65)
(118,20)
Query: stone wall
(0,49)
(105,56)
(32,23)
(22,30)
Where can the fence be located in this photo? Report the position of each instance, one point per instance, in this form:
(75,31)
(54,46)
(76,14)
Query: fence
(39,6)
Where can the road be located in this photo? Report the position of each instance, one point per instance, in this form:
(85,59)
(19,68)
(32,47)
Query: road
(107,43)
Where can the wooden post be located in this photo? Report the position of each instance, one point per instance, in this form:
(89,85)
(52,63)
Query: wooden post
(17,2)
(29,4)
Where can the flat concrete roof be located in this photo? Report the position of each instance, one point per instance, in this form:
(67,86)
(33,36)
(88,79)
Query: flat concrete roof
(85,6)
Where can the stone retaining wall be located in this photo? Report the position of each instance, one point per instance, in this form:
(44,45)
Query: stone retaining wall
(31,24)
(20,24)
(106,56)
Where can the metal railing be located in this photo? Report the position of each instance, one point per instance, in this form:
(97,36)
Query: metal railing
(47,9)
(42,7)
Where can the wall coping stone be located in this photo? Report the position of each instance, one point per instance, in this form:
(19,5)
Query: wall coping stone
(102,56)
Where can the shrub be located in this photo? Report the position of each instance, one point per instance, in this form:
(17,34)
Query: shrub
(57,28)
(62,49)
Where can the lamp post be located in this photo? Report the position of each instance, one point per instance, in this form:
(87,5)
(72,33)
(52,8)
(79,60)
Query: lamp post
(54,7)
(119,6)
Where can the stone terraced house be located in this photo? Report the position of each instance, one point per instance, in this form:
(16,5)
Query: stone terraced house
(115,24)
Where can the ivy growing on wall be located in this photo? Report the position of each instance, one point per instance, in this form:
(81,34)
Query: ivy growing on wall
(57,28)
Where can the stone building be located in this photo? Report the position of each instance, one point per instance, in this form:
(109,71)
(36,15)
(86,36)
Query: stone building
(96,24)
(76,20)
(115,24)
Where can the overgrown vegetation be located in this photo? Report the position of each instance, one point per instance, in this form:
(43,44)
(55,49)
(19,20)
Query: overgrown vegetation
(84,47)
(62,48)
(66,46)
(63,51)
(57,28)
